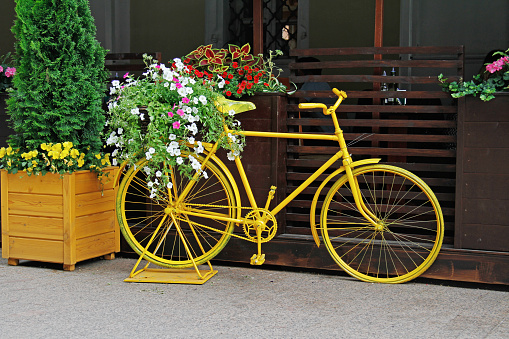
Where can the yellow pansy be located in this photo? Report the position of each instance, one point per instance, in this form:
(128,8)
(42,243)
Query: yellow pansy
(68,145)
(2,152)
(98,156)
(64,153)
(9,150)
(74,153)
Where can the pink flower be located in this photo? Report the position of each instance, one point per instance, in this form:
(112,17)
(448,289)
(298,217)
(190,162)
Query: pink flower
(185,100)
(170,114)
(158,66)
(11,71)
(497,65)
(180,112)
(176,125)
(1,69)
(126,75)
(178,85)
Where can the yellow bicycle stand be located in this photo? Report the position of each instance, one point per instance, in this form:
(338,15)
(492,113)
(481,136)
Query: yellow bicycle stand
(170,275)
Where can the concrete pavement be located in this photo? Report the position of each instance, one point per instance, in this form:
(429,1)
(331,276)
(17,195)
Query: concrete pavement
(42,301)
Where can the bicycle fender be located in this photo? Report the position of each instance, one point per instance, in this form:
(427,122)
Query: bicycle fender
(116,180)
(312,213)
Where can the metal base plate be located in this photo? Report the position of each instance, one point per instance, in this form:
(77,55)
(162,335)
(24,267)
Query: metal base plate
(171,276)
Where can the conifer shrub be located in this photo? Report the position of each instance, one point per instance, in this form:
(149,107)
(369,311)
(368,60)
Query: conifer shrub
(60,80)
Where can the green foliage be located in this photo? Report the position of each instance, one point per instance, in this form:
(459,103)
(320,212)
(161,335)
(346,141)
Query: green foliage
(495,78)
(60,80)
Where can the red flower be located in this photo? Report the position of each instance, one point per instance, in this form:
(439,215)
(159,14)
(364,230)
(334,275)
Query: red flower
(187,60)
(256,69)
(228,93)
(266,84)
(246,67)
(230,76)
(249,85)
(235,65)
(227,82)
(239,91)
(241,72)
(249,77)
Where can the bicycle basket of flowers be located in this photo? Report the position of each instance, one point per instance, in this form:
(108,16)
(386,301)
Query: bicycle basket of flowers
(166,116)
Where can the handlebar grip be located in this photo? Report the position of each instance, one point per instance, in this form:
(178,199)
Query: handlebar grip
(308,105)
(339,93)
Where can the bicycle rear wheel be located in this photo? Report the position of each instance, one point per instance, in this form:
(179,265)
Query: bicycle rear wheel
(410,226)
(183,238)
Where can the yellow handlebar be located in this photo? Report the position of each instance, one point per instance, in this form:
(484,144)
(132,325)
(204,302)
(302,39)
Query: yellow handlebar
(341,96)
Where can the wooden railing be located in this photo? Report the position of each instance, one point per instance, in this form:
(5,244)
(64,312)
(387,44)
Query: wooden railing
(419,135)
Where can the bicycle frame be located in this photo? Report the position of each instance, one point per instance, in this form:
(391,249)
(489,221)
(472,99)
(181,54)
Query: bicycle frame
(347,166)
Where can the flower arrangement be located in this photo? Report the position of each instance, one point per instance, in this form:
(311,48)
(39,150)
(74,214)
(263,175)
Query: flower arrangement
(494,78)
(55,158)
(234,71)
(166,116)
(6,73)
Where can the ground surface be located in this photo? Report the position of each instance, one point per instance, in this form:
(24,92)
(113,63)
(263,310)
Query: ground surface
(42,301)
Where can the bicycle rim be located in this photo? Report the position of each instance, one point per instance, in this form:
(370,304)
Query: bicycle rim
(182,238)
(410,225)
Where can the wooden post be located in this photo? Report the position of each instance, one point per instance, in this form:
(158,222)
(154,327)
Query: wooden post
(379,24)
(257,27)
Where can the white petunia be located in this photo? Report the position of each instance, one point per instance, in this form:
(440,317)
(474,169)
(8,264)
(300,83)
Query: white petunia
(172,137)
(169,185)
(150,184)
(135,111)
(231,112)
(202,99)
(182,91)
(115,83)
(190,140)
(120,130)
(180,160)
(152,150)
(230,156)
(159,174)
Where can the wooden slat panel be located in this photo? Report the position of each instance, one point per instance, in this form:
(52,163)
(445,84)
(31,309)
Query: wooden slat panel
(36,249)
(486,160)
(477,132)
(36,227)
(376,63)
(477,186)
(95,202)
(95,246)
(94,224)
(35,205)
(484,236)
(87,181)
(369,79)
(22,183)
(378,50)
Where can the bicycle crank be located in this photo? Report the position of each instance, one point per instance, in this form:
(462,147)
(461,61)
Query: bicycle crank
(263,219)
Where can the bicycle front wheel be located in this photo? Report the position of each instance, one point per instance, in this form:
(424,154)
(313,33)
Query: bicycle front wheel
(409,230)
(181,238)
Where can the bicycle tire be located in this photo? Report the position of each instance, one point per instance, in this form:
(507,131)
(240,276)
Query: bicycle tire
(411,232)
(139,215)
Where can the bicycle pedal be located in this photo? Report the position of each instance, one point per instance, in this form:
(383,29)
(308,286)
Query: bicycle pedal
(257,259)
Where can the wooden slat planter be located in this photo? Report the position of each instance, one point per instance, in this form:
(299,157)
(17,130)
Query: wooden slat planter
(482,192)
(59,220)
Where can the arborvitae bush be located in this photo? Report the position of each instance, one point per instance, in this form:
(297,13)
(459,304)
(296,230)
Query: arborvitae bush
(60,79)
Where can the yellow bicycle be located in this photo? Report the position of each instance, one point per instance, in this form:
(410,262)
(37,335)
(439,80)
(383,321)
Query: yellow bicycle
(380,223)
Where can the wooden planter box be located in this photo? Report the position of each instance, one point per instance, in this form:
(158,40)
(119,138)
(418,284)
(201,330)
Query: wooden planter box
(60,220)
(482,177)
